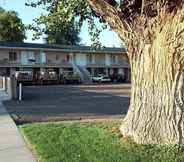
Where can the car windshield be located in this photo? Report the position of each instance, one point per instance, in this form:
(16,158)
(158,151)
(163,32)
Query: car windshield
(98,76)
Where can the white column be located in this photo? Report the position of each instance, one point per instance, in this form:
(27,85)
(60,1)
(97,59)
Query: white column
(20,91)
(4,83)
(71,58)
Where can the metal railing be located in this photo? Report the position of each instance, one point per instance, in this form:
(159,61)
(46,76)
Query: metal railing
(6,62)
(36,63)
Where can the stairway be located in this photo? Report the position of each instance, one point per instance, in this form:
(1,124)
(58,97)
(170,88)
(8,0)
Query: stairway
(84,73)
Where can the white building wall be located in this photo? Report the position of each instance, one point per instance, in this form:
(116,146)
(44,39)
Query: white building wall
(4,55)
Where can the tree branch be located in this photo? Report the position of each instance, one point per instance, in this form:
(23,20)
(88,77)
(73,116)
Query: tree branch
(110,14)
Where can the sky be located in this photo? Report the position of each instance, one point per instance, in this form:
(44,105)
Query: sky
(108,38)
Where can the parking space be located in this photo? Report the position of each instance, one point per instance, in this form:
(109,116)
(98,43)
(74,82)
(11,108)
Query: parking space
(53,103)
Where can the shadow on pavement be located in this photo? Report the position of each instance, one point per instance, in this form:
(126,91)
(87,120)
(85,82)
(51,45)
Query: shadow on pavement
(55,103)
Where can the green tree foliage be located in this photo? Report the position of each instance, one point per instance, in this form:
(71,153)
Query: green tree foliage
(11,27)
(66,36)
(63,21)
(58,30)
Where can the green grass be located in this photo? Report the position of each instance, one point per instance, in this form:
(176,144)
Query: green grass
(92,142)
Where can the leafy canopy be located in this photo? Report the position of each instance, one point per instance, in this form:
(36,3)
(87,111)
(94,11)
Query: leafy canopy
(52,24)
(11,27)
(65,36)
(62,16)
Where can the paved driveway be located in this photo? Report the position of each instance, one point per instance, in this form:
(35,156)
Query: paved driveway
(48,103)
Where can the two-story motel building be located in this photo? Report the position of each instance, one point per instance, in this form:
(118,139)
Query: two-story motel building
(40,57)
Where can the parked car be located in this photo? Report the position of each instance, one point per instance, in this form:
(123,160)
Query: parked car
(47,77)
(24,76)
(70,77)
(101,78)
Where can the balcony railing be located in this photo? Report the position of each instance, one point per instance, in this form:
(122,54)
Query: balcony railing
(9,63)
(102,64)
(53,63)
(58,63)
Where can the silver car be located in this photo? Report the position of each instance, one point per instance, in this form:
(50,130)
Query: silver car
(101,78)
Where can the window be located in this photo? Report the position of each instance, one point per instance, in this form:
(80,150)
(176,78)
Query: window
(113,59)
(12,56)
(31,57)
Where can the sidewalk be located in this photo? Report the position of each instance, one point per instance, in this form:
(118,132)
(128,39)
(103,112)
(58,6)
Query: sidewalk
(12,145)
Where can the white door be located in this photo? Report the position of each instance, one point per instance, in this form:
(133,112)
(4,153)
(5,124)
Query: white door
(24,60)
(42,57)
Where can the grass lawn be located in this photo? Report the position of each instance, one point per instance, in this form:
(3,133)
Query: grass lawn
(92,142)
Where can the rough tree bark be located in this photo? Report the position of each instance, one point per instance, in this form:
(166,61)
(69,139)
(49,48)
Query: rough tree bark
(156,109)
(156,54)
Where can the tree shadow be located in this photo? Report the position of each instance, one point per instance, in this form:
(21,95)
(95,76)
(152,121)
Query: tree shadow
(55,103)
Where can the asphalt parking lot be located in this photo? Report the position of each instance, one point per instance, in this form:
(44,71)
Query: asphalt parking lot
(70,102)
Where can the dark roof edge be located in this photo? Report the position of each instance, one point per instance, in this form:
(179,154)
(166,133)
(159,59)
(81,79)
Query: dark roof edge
(55,47)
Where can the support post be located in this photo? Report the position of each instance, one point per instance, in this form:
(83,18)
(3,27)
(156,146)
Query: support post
(14,88)
(4,83)
(20,91)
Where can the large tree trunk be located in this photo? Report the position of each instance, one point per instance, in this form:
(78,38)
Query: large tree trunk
(157,100)
(156,54)
(156,113)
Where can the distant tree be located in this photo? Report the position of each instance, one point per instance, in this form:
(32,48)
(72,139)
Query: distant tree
(66,36)
(11,27)
(55,31)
